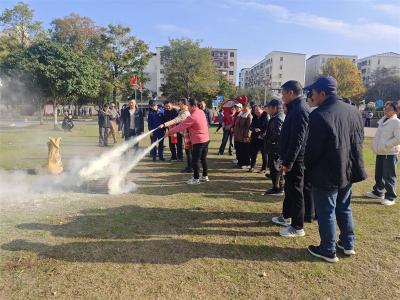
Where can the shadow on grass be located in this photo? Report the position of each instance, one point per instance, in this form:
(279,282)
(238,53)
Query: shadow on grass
(151,235)
(157,251)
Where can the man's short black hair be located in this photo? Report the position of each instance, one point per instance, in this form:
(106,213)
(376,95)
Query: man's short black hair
(105,105)
(167,102)
(293,85)
(192,102)
(393,104)
(183,101)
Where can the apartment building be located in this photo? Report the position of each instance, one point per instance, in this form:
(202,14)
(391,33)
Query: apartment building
(368,65)
(244,78)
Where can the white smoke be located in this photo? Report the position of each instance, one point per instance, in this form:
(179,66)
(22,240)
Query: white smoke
(112,166)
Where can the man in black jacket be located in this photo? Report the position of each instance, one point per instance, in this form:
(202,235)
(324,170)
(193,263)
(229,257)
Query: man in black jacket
(176,147)
(133,121)
(272,137)
(258,127)
(335,161)
(292,146)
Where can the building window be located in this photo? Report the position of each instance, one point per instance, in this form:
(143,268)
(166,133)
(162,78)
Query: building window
(379,61)
(232,54)
(280,75)
(281,58)
(230,72)
(231,63)
(161,71)
(280,67)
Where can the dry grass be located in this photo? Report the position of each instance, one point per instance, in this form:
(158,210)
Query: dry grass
(169,240)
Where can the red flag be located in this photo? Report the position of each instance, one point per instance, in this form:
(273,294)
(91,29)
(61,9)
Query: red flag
(133,80)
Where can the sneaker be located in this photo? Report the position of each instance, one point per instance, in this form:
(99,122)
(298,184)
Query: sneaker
(245,167)
(154,159)
(372,195)
(316,251)
(173,159)
(273,192)
(387,202)
(290,231)
(204,178)
(282,221)
(187,170)
(235,161)
(345,251)
(193,181)
(161,159)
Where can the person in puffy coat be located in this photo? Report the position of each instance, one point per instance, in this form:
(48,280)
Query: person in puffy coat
(386,145)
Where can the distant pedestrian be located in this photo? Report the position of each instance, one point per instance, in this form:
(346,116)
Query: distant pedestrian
(258,128)
(220,119)
(241,134)
(272,148)
(176,141)
(368,116)
(203,106)
(227,133)
(386,145)
(104,124)
(114,118)
(334,159)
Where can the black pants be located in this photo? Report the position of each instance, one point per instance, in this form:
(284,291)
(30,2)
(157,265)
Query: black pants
(132,133)
(176,149)
(293,204)
(309,207)
(227,135)
(189,158)
(199,154)
(243,153)
(257,145)
(159,148)
(367,122)
(385,176)
(276,176)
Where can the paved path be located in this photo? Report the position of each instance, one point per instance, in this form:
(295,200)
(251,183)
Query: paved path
(369,131)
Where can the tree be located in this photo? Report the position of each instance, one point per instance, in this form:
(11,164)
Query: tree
(385,88)
(189,70)
(348,78)
(123,55)
(18,22)
(226,88)
(63,75)
(81,33)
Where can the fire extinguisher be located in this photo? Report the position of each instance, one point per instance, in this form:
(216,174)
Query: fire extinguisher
(174,137)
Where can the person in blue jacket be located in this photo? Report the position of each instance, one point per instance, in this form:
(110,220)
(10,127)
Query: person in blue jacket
(154,120)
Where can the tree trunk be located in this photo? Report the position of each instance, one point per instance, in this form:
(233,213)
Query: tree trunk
(40,113)
(55,114)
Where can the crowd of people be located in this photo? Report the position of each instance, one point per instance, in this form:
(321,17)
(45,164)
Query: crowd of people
(311,142)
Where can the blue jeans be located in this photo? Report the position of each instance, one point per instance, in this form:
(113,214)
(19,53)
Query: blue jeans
(332,205)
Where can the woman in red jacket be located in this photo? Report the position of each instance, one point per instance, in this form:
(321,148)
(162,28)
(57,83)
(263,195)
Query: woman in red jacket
(200,138)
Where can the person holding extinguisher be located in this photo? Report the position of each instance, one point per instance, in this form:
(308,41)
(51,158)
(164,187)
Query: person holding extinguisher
(175,142)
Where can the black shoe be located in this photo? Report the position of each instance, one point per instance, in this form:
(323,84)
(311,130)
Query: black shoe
(179,159)
(161,159)
(316,251)
(262,171)
(230,154)
(154,159)
(268,175)
(187,170)
(273,192)
(173,159)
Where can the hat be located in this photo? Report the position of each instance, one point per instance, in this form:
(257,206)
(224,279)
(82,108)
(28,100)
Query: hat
(275,103)
(324,83)
(239,105)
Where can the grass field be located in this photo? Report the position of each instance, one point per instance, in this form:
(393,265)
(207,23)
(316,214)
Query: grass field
(170,240)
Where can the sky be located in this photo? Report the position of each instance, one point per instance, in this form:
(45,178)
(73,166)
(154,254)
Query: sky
(254,27)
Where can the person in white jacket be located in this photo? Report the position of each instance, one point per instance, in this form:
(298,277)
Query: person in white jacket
(386,145)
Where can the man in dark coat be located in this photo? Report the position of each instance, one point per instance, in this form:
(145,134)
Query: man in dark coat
(271,147)
(334,159)
(154,120)
(104,125)
(292,146)
(258,127)
(175,144)
(133,121)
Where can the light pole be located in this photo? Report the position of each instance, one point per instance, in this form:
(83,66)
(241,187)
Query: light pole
(265,90)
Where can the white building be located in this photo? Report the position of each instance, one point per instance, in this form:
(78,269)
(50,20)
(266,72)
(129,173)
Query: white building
(275,69)
(368,65)
(315,63)
(225,61)
(244,78)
